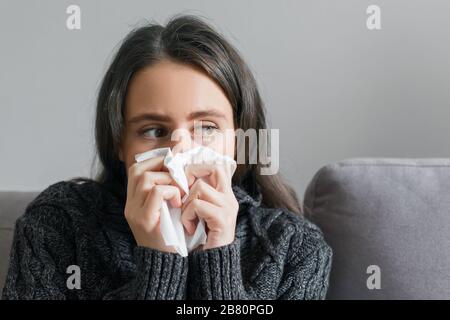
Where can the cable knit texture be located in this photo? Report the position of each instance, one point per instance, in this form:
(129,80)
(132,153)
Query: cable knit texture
(277,254)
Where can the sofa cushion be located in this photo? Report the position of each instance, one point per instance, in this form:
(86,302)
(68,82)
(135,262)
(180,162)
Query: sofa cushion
(391,213)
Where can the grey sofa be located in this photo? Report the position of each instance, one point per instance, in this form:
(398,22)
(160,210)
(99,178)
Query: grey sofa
(387,220)
(393,214)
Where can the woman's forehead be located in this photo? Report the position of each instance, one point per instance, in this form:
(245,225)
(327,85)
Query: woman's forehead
(175,90)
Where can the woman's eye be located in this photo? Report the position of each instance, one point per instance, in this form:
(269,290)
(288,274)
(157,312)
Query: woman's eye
(154,132)
(207,130)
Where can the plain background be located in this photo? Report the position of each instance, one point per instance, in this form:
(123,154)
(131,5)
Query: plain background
(335,89)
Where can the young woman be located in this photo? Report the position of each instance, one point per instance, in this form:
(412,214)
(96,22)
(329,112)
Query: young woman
(106,231)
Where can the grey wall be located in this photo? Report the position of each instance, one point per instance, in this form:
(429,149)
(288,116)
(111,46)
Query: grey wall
(335,89)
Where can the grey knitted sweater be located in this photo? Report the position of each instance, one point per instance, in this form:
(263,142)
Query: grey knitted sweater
(276,255)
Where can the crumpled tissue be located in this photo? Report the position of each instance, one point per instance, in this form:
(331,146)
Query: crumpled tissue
(172,229)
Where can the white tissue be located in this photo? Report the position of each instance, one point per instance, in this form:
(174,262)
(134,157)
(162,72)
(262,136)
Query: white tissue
(172,229)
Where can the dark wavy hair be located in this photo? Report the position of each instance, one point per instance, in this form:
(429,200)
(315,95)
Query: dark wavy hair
(186,39)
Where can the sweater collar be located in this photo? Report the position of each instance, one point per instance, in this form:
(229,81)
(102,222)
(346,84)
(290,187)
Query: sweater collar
(244,198)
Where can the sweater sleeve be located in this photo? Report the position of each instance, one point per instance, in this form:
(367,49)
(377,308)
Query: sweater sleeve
(306,272)
(43,248)
(216,273)
(37,253)
(160,276)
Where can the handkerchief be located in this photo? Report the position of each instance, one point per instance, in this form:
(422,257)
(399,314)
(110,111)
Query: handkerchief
(172,229)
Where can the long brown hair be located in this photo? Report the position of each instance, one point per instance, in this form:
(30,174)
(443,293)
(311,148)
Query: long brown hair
(187,39)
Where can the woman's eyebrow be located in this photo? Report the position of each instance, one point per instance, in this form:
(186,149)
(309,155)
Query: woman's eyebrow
(206,113)
(149,117)
(164,118)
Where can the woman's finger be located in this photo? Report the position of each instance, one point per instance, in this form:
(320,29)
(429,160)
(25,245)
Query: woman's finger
(156,196)
(218,174)
(147,181)
(138,168)
(202,190)
(198,208)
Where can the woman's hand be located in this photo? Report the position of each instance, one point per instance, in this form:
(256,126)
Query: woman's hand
(148,186)
(212,199)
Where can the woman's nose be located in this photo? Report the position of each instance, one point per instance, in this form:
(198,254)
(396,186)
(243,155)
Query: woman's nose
(181,141)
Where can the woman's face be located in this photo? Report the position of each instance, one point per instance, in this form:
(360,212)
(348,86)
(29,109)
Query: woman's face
(175,105)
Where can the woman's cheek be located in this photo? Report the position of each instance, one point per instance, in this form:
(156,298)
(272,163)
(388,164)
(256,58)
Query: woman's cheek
(221,143)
